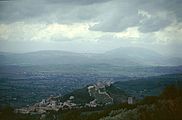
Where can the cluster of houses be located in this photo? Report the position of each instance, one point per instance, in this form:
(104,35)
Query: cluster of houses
(52,103)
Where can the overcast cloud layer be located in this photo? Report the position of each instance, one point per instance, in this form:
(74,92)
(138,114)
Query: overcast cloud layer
(90,25)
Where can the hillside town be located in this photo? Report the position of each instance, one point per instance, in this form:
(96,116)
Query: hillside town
(97,91)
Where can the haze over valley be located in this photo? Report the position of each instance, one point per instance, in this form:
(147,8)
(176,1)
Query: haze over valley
(90,60)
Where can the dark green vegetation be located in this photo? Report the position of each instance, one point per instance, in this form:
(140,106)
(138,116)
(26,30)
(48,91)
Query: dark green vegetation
(149,86)
(81,96)
(167,106)
(117,94)
(7,113)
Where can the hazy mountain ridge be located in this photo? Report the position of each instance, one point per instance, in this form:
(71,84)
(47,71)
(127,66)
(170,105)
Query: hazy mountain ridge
(119,56)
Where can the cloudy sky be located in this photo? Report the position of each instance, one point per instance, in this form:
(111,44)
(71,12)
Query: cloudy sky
(90,25)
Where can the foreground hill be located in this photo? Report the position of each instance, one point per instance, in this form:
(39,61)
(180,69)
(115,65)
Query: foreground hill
(101,93)
(104,94)
(167,106)
(138,88)
(92,96)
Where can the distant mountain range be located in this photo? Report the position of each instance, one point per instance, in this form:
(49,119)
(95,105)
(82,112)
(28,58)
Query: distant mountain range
(126,56)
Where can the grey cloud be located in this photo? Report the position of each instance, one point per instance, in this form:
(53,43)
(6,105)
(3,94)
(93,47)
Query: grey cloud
(114,24)
(61,11)
(173,7)
(154,24)
(111,15)
(121,16)
(5,1)
(176,7)
(77,2)
(127,15)
(19,10)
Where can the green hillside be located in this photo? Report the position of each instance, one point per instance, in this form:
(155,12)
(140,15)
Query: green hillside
(82,96)
(149,86)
